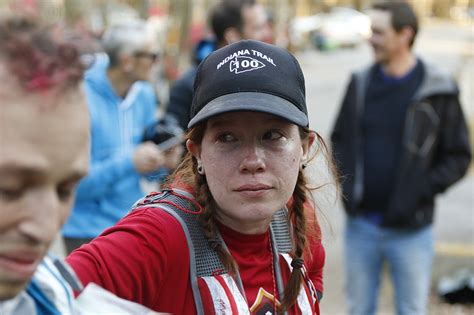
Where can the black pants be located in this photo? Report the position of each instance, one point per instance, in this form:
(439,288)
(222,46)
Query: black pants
(73,243)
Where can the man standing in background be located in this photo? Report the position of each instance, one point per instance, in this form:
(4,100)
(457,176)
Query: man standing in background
(400,138)
(121,105)
(231,21)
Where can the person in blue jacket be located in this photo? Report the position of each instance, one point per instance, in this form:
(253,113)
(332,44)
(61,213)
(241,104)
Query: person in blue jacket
(121,103)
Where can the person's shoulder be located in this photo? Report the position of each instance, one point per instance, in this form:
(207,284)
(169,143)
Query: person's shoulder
(97,86)
(436,80)
(190,74)
(164,208)
(49,282)
(186,80)
(97,69)
(151,221)
(149,213)
(363,72)
(142,93)
(159,229)
(145,88)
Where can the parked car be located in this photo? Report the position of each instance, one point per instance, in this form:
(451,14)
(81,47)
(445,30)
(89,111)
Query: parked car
(341,27)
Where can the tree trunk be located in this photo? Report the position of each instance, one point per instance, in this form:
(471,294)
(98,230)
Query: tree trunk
(441,8)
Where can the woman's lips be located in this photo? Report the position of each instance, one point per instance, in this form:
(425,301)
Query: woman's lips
(19,264)
(253,190)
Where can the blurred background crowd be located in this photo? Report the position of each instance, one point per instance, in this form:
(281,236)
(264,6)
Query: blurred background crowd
(179,25)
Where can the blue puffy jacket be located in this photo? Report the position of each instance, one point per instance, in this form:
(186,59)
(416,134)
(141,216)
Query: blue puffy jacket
(117,125)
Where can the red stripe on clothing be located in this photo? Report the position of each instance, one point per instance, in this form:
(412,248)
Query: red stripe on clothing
(230,296)
(206,297)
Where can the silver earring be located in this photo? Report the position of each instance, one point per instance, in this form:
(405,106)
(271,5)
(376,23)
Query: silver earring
(304,165)
(200,169)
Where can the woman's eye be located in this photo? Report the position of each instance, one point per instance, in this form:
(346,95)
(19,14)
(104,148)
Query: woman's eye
(272,135)
(226,137)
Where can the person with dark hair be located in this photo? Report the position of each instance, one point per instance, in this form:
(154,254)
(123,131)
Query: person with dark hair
(235,229)
(230,21)
(122,104)
(399,140)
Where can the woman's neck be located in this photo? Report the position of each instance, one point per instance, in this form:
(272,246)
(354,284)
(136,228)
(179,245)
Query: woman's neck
(245,227)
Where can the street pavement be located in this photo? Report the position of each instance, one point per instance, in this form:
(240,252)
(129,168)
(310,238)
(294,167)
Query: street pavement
(450,46)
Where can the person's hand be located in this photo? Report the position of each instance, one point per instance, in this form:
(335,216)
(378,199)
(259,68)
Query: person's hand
(173,156)
(148,158)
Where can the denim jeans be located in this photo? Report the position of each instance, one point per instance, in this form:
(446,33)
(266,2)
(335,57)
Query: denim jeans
(409,255)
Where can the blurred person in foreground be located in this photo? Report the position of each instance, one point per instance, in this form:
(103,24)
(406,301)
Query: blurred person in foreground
(400,139)
(235,230)
(44,144)
(122,104)
(230,21)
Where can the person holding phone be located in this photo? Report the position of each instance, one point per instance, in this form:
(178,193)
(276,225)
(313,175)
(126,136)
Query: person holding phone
(122,103)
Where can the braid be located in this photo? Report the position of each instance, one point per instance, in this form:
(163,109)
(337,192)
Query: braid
(299,197)
(298,218)
(186,173)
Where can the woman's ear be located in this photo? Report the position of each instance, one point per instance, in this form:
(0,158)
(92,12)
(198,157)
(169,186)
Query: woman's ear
(194,149)
(306,145)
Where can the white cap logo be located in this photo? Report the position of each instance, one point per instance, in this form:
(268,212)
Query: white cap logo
(244,64)
(241,61)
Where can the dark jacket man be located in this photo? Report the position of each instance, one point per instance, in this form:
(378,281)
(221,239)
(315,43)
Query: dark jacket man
(435,148)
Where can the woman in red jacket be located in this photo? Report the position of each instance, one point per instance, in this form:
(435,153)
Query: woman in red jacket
(222,238)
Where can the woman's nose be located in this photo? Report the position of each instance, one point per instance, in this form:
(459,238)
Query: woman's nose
(253,159)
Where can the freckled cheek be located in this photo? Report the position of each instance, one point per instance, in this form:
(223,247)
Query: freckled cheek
(218,170)
(289,167)
(291,155)
(218,181)
(285,163)
(288,164)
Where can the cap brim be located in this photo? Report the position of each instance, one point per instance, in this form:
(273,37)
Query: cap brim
(251,101)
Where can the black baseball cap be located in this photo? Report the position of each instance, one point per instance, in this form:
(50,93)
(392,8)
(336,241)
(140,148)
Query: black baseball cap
(250,76)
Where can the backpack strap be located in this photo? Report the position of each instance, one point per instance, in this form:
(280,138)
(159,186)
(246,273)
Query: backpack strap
(280,227)
(203,260)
